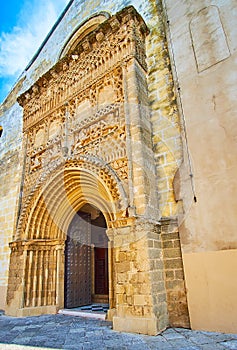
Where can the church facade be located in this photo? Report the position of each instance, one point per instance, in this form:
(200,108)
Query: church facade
(118,148)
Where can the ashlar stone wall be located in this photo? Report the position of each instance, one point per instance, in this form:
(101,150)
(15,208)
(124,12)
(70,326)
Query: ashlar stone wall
(10,182)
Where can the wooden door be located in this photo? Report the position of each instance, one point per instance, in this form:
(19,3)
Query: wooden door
(78,262)
(101,271)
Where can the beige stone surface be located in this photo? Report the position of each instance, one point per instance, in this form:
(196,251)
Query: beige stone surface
(205,69)
(211,290)
(142,325)
(3,294)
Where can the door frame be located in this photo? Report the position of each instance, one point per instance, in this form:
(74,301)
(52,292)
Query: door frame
(99,298)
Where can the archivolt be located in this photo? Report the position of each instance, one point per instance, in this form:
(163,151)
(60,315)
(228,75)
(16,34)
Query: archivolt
(82,30)
(55,203)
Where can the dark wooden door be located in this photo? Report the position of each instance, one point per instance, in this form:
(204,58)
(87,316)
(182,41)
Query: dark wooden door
(78,262)
(101,271)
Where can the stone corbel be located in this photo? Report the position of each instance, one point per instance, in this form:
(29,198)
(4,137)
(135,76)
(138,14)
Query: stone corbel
(114,23)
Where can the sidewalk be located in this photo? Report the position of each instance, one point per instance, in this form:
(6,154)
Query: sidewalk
(76,333)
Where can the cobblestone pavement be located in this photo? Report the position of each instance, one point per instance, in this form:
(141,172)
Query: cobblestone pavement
(68,332)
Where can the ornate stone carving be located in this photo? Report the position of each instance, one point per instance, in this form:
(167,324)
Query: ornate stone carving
(76,109)
(94,58)
(121,168)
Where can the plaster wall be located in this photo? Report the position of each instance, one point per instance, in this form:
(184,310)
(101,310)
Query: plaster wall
(212,291)
(201,37)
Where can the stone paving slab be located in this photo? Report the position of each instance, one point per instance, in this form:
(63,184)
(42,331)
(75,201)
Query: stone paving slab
(76,333)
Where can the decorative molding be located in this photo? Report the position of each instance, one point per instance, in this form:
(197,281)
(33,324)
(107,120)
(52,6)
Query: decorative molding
(115,41)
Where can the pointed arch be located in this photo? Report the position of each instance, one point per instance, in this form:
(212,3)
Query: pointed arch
(52,207)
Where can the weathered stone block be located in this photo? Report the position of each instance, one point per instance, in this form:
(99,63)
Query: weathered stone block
(172,253)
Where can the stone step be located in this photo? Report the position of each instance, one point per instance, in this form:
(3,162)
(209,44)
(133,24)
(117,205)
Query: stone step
(79,313)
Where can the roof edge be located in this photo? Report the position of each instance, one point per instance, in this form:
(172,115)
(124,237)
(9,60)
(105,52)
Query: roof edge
(49,35)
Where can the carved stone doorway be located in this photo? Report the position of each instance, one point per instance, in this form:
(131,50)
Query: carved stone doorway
(86,259)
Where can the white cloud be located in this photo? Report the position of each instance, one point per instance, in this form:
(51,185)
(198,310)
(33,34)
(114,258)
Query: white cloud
(18,46)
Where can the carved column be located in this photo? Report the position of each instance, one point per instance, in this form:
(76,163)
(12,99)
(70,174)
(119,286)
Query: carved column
(36,275)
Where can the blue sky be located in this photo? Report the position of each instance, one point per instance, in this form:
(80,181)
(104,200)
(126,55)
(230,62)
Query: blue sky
(23,26)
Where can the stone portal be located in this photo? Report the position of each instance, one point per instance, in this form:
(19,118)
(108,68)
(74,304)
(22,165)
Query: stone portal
(87,136)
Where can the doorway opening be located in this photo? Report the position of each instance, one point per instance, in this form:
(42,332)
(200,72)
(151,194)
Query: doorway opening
(86,259)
